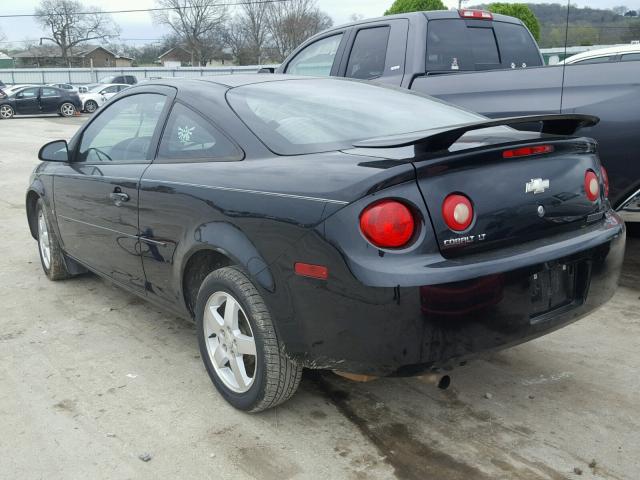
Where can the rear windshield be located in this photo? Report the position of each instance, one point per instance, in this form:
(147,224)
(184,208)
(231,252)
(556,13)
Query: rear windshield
(452,45)
(317,115)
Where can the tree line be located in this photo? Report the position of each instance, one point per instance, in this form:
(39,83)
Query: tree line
(258,31)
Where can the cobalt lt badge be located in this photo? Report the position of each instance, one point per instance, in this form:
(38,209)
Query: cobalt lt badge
(536,185)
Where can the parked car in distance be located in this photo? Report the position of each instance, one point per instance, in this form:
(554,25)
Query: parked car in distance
(618,53)
(128,79)
(14,88)
(490,64)
(64,86)
(39,100)
(327,223)
(97,95)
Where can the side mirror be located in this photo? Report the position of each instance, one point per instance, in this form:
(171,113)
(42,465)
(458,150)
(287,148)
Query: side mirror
(267,70)
(56,151)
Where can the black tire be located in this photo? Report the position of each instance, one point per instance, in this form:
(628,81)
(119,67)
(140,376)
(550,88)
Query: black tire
(6,112)
(275,377)
(91,106)
(56,268)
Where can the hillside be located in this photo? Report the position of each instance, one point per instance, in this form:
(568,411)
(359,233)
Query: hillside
(587,26)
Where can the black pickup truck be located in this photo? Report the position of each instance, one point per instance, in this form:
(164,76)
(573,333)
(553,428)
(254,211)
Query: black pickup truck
(490,64)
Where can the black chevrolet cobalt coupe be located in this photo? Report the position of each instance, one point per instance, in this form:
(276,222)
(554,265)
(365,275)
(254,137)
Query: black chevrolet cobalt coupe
(332,224)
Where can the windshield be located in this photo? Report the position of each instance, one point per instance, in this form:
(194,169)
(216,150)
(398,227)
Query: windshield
(316,115)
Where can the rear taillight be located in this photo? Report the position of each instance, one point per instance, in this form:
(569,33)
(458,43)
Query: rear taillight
(457,212)
(605,181)
(477,14)
(387,224)
(591,185)
(527,151)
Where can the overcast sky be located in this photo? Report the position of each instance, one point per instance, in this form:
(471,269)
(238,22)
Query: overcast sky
(139,25)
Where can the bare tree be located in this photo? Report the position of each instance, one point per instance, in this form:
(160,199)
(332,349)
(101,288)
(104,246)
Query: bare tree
(292,22)
(253,20)
(3,37)
(68,27)
(236,39)
(194,21)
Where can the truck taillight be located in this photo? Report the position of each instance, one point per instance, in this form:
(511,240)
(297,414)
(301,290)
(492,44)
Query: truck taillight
(591,185)
(457,212)
(605,181)
(477,14)
(387,224)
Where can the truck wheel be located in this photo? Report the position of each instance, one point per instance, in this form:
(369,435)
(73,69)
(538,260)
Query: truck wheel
(6,112)
(239,345)
(51,256)
(67,109)
(91,106)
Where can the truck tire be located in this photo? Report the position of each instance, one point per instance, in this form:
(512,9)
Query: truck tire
(239,345)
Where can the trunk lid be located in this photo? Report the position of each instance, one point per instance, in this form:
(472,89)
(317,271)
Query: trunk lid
(514,200)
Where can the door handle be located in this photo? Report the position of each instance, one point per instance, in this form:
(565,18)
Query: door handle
(118,198)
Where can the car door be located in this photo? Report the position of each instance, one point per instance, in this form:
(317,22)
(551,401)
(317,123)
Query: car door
(49,99)
(377,52)
(321,57)
(26,101)
(96,194)
(191,147)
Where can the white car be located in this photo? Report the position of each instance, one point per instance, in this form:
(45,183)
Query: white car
(618,53)
(97,95)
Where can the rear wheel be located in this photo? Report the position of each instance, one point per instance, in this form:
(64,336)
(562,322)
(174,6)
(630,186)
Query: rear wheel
(91,106)
(51,256)
(67,109)
(239,346)
(6,112)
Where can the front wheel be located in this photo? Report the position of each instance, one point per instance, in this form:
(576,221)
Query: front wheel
(67,109)
(91,106)
(51,256)
(6,112)
(239,345)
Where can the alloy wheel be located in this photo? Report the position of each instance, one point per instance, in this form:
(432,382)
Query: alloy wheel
(230,342)
(91,106)
(6,112)
(43,240)
(67,110)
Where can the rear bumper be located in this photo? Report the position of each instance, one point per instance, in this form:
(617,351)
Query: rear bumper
(345,325)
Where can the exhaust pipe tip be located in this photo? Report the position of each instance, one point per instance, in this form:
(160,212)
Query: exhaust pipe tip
(440,381)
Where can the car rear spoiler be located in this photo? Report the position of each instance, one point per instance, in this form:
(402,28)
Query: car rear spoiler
(439,139)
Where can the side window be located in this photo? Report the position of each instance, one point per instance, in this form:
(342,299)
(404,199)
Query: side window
(368,53)
(189,136)
(29,92)
(630,57)
(317,58)
(112,89)
(123,131)
(50,92)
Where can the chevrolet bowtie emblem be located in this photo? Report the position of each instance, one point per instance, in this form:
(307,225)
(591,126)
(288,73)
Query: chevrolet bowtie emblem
(536,185)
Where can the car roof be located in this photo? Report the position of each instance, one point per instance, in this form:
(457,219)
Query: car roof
(603,52)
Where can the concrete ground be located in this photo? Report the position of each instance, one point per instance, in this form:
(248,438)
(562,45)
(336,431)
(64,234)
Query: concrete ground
(92,377)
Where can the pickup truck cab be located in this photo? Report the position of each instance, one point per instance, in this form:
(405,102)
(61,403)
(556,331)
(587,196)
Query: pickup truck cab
(490,64)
